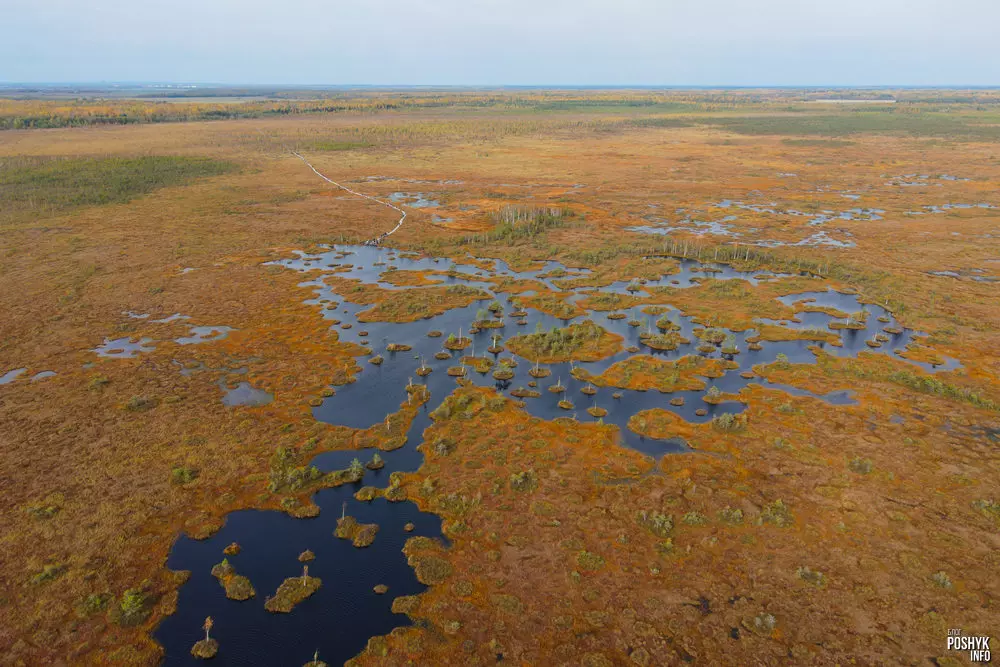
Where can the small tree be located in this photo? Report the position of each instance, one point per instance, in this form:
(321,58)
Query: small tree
(208,627)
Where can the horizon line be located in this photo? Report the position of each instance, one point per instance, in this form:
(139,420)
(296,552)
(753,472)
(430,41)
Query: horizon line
(495,86)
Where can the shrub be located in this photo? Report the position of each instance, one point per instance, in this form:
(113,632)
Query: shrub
(941,579)
(658,523)
(182,475)
(694,519)
(764,623)
(777,513)
(523,481)
(860,465)
(730,515)
(140,404)
(49,573)
(133,608)
(813,577)
(589,561)
(729,422)
(990,508)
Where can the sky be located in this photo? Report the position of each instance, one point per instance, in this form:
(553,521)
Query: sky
(503,42)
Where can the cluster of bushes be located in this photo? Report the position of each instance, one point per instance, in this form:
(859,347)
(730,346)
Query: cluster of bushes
(514,223)
(560,342)
(729,422)
(928,384)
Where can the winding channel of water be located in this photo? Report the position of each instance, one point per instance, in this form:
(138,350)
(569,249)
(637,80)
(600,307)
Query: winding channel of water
(340,618)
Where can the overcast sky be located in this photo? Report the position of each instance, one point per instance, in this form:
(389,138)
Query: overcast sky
(493,42)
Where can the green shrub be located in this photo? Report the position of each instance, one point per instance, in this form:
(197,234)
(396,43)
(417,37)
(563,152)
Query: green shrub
(49,573)
(729,422)
(523,481)
(730,515)
(133,608)
(588,561)
(658,523)
(694,519)
(182,475)
(777,513)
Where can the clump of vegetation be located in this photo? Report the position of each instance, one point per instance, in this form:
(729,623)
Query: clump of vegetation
(141,403)
(813,577)
(206,648)
(776,513)
(585,341)
(454,342)
(361,534)
(47,508)
(589,561)
(513,224)
(49,572)
(762,624)
(286,477)
(694,519)
(989,507)
(942,579)
(729,422)
(424,556)
(181,475)
(237,586)
(92,604)
(731,515)
(928,384)
(376,463)
(665,341)
(132,609)
(525,480)
(292,591)
(860,465)
(658,523)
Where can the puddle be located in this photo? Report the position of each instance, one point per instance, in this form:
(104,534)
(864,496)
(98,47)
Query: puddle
(43,375)
(245,395)
(204,335)
(413,200)
(124,348)
(10,376)
(172,318)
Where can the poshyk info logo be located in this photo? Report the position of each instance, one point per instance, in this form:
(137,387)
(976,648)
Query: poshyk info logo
(978,647)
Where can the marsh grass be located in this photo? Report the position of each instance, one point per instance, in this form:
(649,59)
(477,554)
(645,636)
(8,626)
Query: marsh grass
(43,186)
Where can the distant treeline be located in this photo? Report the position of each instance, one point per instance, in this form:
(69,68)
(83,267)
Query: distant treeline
(31,113)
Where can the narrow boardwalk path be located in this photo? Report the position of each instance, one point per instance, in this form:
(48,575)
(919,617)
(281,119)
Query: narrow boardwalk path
(378,239)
